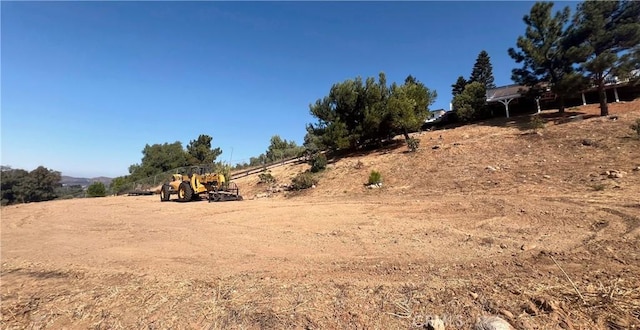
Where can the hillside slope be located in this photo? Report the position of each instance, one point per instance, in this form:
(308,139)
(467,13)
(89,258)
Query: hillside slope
(500,156)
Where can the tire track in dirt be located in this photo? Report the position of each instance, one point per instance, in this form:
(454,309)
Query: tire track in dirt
(632,222)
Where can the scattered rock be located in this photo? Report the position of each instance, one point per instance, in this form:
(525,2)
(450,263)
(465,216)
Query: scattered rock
(474,295)
(503,246)
(636,169)
(614,118)
(375,185)
(492,323)
(491,168)
(615,174)
(546,176)
(588,142)
(457,144)
(546,305)
(526,247)
(435,147)
(434,323)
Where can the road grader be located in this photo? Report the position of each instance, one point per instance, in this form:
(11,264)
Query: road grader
(199,182)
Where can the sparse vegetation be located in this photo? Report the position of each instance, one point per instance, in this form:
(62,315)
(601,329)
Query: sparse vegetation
(536,123)
(413,144)
(303,180)
(318,162)
(266,177)
(375,177)
(636,128)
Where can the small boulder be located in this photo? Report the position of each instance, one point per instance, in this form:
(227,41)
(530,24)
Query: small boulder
(616,174)
(492,323)
(587,142)
(528,246)
(491,168)
(434,323)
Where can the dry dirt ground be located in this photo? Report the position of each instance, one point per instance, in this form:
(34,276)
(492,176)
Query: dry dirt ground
(495,220)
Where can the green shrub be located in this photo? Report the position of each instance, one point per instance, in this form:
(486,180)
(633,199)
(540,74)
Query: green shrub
(303,181)
(536,122)
(318,162)
(413,144)
(96,189)
(375,177)
(266,177)
(636,127)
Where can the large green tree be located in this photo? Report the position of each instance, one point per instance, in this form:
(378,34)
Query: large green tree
(483,71)
(409,105)
(358,113)
(349,115)
(96,189)
(158,158)
(280,149)
(543,53)
(200,151)
(40,184)
(11,185)
(471,103)
(601,32)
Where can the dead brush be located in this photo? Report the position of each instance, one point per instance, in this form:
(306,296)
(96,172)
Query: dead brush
(636,128)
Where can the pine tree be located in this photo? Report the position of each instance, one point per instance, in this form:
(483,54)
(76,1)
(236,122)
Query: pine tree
(483,71)
(601,32)
(458,87)
(543,53)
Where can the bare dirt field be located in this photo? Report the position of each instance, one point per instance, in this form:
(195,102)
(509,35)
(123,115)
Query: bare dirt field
(542,230)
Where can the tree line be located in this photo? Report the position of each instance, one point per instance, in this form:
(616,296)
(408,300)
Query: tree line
(160,158)
(564,54)
(21,186)
(278,149)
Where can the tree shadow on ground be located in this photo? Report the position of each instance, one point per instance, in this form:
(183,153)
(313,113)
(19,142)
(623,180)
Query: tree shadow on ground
(382,148)
(522,121)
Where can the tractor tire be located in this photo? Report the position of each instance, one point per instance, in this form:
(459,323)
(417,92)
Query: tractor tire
(164,193)
(184,192)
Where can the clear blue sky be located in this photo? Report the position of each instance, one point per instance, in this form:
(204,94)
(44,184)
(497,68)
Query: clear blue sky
(85,85)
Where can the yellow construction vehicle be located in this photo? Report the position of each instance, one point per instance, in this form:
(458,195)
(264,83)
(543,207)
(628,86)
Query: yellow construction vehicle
(197,182)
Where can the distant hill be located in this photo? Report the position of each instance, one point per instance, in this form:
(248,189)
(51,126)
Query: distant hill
(70,181)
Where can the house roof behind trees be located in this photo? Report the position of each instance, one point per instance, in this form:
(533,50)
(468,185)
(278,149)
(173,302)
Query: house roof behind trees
(505,92)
